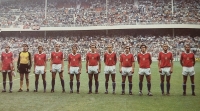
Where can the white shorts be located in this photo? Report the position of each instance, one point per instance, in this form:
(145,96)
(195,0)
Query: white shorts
(165,71)
(144,71)
(56,67)
(109,70)
(73,70)
(93,69)
(6,70)
(39,69)
(188,71)
(126,71)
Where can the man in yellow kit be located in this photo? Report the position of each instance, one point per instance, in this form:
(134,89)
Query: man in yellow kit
(24,65)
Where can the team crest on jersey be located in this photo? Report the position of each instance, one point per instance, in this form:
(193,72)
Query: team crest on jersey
(73,59)
(6,57)
(110,59)
(143,59)
(39,58)
(165,58)
(56,57)
(126,59)
(188,58)
(92,57)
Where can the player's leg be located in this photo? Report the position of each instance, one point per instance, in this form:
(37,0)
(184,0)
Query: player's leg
(90,83)
(168,77)
(44,81)
(53,81)
(21,82)
(36,82)
(184,84)
(141,77)
(10,81)
(113,82)
(78,82)
(192,84)
(71,82)
(123,84)
(4,81)
(62,81)
(148,77)
(96,83)
(27,81)
(130,84)
(106,83)
(162,78)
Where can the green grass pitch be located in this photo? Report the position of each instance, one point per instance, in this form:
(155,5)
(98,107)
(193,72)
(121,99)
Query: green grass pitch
(58,101)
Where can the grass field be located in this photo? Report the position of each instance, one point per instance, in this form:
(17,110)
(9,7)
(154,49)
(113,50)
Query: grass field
(58,101)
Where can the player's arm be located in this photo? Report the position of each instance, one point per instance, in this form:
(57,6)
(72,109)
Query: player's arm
(34,61)
(80,64)
(1,64)
(62,63)
(68,67)
(194,60)
(104,59)
(150,59)
(115,59)
(138,59)
(45,63)
(51,62)
(120,64)
(12,62)
(30,61)
(172,64)
(87,63)
(99,65)
(133,64)
(159,62)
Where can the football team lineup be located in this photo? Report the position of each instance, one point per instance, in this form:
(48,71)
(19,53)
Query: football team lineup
(93,67)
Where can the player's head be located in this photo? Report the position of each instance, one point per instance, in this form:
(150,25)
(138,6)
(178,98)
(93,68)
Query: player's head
(187,48)
(74,48)
(127,49)
(40,48)
(25,47)
(165,47)
(93,47)
(7,48)
(57,47)
(109,48)
(143,48)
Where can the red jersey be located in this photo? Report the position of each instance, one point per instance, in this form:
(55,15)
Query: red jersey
(144,60)
(6,59)
(165,59)
(92,58)
(74,60)
(57,57)
(187,59)
(110,59)
(40,59)
(126,60)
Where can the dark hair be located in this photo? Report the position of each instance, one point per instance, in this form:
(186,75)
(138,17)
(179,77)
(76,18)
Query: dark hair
(142,46)
(127,47)
(40,46)
(25,45)
(93,45)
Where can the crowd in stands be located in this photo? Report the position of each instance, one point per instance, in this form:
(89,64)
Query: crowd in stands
(176,44)
(68,13)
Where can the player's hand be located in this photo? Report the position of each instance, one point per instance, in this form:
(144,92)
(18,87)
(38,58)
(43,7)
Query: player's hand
(68,72)
(99,71)
(120,71)
(86,71)
(79,71)
(13,69)
(0,70)
(34,71)
(132,71)
(50,70)
(171,71)
(160,71)
(45,71)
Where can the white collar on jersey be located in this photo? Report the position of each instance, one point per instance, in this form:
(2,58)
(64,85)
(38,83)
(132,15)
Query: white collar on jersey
(188,53)
(110,53)
(7,52)
(74,54)
(144,53)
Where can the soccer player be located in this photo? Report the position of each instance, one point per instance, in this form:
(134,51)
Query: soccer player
(40,67)
(165,66)
(126,68)
(93,67)
(7,67)
(187,61)
(74,67)
(144,61)
(57,65)
(110,60)
(24,64)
